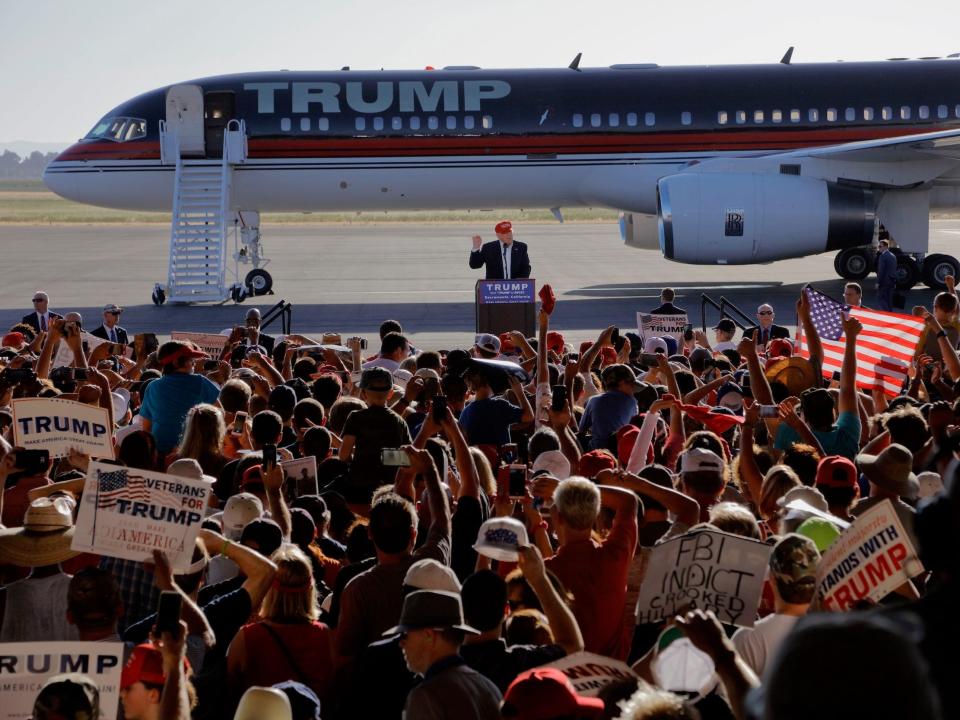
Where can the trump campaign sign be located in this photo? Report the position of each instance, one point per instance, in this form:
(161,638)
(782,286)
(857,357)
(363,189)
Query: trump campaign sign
(129,513)
(57,425)
(870,559)
(25,667)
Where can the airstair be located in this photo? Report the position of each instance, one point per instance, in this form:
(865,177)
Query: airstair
(204,221)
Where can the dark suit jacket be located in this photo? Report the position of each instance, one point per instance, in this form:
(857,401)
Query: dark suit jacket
(886,269)
(101,332)
(668,309)
(33,321)
(490,256)
(776,331)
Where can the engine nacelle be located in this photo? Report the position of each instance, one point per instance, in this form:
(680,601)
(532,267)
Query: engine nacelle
(737,219)
(639,231)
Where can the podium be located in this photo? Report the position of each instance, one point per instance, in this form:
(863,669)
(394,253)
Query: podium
(504,305)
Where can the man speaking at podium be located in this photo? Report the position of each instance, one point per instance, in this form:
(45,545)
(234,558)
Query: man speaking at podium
(504,258)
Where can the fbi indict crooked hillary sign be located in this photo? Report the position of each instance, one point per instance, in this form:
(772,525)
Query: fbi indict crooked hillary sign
(57,425)
(129,513)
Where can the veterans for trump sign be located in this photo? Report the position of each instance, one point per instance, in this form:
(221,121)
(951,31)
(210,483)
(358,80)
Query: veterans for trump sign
(870,559)
(25,667)
(129,513)
(649,325)
(704,569)
(57,425)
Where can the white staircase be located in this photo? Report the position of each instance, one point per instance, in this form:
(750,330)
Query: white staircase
(203,218)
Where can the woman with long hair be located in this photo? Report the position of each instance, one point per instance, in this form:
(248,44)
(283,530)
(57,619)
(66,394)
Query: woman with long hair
(287,643)
(203,434)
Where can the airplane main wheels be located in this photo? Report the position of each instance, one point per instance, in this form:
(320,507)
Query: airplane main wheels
(936,267)
(853,263)
(908,272)
(258,282)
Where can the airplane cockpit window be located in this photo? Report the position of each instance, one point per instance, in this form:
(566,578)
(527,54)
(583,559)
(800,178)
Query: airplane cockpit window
(118,129)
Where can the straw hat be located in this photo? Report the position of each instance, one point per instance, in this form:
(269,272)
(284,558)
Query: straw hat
(794,372)
(891,470)
(45,536)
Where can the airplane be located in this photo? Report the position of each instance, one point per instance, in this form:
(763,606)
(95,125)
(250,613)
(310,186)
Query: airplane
(730,164)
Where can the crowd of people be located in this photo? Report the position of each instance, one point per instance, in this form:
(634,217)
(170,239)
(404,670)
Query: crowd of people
(484,512)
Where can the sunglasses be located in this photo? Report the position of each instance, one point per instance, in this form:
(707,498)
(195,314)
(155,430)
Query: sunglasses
(39,299)
(765,312)
(113,312)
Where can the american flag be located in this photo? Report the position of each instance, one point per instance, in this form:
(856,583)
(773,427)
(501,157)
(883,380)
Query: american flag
(885,347)
(120,485)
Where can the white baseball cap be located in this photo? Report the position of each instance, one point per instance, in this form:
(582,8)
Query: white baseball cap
(240,510)
(554,462)
(488,342)
(700,460)
(501,538)
(655,344)
(429,574)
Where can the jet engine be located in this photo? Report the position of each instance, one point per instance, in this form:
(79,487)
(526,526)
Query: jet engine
(736,219)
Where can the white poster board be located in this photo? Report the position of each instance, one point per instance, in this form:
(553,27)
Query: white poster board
(870,559)
(64,355)
(128,513)
(211,343)
(704,569)
(649,325)
(590,673)
(57,425)
(25,667)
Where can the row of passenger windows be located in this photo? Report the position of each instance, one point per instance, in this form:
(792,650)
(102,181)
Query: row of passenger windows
(887,112)
(759,117)
(431,122)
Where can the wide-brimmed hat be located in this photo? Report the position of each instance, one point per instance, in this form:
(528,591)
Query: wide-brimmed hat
(431,609)
(189,468)
(45,536)
(891,470)
(794,372)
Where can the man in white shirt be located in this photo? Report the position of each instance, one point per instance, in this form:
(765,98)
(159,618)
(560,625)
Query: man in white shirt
(40,318)
(394,349)
(793,570)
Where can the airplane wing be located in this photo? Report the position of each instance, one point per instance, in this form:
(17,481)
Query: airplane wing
(901,162)
(945,143)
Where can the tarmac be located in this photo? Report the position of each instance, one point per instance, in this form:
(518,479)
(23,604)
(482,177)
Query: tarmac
(349,278)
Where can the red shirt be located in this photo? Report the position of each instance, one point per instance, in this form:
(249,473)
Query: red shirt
(309,646)
(596,574)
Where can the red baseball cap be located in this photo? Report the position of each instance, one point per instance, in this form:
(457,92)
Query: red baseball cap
(608,356)
(502,228)
(546,693)
(555,342)
(14,340)
(779,348)
(174,350)
(585,345)
(506,344)
(145,665)
(252,475)
(836,471)
(594,461)
(626,439)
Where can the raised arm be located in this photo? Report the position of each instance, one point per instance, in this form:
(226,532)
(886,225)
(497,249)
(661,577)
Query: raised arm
(814,346)
(949,353)
(749,470)
(466,467)
(196,621)
(174,698)
(566,631)
(422,462)
(586,362)
(848,370)
(257,569)
(527,411)
(686,509)
(273,483)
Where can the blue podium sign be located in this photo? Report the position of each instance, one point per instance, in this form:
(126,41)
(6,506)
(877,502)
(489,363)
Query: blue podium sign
(505,292)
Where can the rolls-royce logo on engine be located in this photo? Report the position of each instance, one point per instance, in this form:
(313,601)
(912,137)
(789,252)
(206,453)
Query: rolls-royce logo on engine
(733,227)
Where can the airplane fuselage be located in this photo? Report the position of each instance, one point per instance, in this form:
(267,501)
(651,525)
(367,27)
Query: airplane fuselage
(470,138)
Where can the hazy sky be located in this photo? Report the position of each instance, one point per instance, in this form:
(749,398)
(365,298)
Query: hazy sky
(64,63)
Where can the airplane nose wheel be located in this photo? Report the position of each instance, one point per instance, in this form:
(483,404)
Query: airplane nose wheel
(258,282)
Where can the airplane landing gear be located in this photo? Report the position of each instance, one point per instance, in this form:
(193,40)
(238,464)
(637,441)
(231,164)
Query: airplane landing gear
(258,282)
(908,272)
(936,267)
(854,263)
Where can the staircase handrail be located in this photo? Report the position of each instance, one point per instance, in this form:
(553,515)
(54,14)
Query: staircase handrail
(282,310)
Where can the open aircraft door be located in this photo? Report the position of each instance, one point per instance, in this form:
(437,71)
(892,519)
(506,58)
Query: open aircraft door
(185,116)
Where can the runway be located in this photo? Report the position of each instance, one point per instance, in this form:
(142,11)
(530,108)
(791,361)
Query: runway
(349,278)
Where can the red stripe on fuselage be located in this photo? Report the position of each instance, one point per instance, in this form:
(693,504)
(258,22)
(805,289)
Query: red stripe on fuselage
(572,144)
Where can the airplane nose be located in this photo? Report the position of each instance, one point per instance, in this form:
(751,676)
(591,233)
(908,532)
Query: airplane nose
(59,181)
